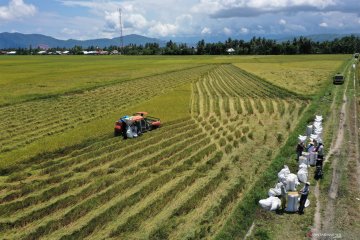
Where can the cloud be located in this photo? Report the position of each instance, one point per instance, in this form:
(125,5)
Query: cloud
(163,29)
(186,18)
(282,22)
(227,31)
(295,28)
(205,31)
(244,30)
(69,31)
(323,24)
(250,8)
(16,9)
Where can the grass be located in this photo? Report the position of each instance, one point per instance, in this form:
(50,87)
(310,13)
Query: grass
(302,74)
(28,77)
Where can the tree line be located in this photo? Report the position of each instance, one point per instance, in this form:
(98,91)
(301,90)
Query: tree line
(255,46)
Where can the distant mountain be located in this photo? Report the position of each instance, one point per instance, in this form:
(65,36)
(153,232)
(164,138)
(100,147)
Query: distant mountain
(320,37)
(19,40)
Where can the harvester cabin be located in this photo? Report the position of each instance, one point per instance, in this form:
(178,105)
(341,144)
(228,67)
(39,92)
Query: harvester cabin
(338,78)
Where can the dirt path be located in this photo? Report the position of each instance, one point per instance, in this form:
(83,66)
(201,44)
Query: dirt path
(335,150)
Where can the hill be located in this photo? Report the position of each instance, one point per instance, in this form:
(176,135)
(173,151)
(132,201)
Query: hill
(19,40)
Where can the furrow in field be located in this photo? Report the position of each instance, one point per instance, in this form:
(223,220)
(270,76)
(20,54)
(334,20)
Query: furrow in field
(125,161)
(108,213)
(116,144)
(134,222)
(103,147)
(110,181)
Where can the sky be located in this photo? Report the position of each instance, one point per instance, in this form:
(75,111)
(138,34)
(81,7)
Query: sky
(179,19)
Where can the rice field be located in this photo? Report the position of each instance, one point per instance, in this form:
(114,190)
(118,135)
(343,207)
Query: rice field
(182,181)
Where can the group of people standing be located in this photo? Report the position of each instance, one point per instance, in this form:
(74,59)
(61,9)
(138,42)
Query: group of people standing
(312,147)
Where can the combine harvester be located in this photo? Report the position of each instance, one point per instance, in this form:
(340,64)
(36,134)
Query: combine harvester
(133,126)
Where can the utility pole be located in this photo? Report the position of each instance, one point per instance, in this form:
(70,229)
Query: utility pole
(121,33)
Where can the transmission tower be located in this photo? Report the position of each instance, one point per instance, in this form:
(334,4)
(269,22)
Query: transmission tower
(121,32)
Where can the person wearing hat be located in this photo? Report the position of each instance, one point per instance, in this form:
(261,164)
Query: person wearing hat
(304,194)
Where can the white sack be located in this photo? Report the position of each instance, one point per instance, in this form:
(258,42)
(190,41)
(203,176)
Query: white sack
(129,132)
(313,157)
(270,203)
(307,202)
(318,117)
(313,136)
(282,175)
(302,138)
(303,160)
(134,131)
(309,130)
(303,174)
(317,124)
(275,204)
(292,203)
(276,191)
(291,182)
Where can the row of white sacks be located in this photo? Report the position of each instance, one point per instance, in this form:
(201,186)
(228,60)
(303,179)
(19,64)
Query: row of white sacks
(290,181)
(314,131)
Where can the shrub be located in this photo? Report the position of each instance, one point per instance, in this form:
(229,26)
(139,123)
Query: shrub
(208,127)
(245,129)
(236,159)
(230,138)
(222,142)
(216,124)
(228,148)
(231,128)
